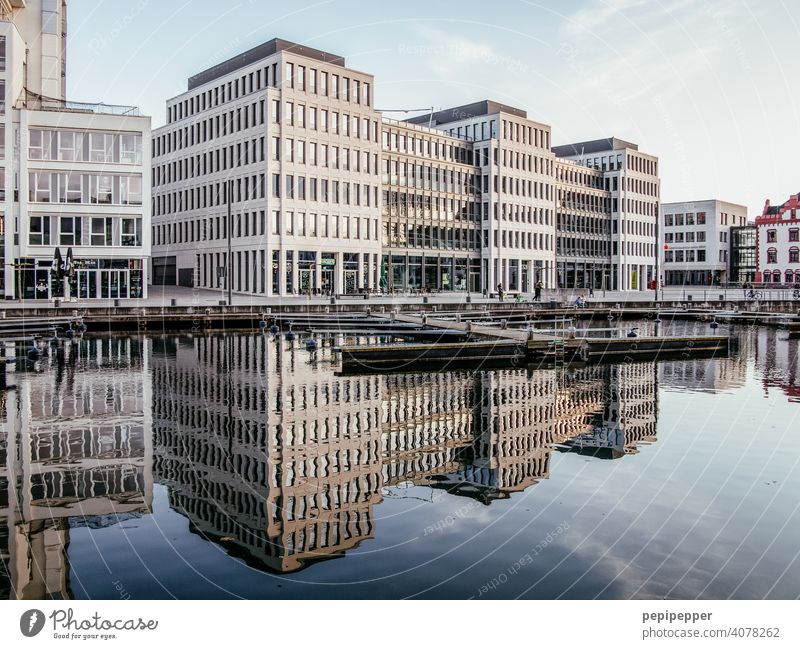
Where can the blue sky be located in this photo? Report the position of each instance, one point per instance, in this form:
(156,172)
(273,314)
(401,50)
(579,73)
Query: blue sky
(710,86)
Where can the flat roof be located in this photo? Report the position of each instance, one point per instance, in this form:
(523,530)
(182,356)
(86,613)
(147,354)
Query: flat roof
(593,146)
(458,113)
(258,53)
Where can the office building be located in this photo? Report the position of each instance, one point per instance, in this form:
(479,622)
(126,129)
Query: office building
(583,227)
(288,135)
(696,241)
(514,169)
(631,178)
(778,243)
(73,185)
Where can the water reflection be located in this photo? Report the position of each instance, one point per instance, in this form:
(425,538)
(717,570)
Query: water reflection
(267,452)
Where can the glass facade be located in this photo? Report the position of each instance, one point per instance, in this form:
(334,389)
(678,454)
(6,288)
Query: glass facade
(743,254)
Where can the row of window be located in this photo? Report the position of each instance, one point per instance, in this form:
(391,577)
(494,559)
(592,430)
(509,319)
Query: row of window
(402,141)
(685,219)
(791,277)
(254,224)
(397,235)
(794,255)
(641,186)
(425,206)
(422,176)
(580,247)
(324,190)
(583,224)
(794,235)
(83,188)
(245,188)
(685,256)
(232,156)
(311,80)
(687,237)
(85,146)
(84,231)
(523,240)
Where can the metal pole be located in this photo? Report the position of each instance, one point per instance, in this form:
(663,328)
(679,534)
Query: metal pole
(229,269)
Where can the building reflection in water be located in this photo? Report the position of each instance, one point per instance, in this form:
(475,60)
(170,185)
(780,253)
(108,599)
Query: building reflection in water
(282,461)
(75,450)
(273,455)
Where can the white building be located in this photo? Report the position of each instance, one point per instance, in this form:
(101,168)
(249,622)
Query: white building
(778,243)
(632,179)
(695,241)
(515,171)
(74,182)
(294,133)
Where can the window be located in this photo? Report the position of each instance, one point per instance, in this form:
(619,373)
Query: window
(70,188)
(2,53)
(70,146)
(794,255)
(701,255)
(39,231)
(130,188)
(130,149)
(101,147)
(69,231)
(39,188)
(772,236)
(131,232)
(101,231)
(290,75)
(276,111)
(793,234)
(100,190)
(772,255)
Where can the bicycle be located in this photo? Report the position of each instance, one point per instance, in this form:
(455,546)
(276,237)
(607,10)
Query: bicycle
(752,294)
(796,294)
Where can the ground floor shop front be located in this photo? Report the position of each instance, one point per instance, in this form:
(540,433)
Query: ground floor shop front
(36,279)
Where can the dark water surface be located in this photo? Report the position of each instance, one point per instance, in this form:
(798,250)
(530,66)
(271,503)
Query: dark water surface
(241,466)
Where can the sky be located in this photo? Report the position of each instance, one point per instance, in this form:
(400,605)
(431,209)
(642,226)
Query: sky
(709,86)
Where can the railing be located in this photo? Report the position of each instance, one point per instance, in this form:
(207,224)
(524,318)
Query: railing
(82,107)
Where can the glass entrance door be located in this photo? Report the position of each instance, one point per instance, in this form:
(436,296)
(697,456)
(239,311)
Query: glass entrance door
(87,284)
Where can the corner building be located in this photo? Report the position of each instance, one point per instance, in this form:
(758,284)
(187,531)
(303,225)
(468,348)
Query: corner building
(73,180)
(292,135)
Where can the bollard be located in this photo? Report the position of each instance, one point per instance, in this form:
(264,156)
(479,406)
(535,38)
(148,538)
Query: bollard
(424,299)
(458,317)
(469,299)
(116,302)
(504,324)
(333,300)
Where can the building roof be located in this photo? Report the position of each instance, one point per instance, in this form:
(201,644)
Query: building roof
(257,54)
(593,146)
(458,113)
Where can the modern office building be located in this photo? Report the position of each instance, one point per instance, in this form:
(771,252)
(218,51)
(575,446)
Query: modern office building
(778,243)
(514,168)
(695,241)
(743,255)
(288,135)
(463,199)
(583,227)
(73,177)
(431,210)
(631,177)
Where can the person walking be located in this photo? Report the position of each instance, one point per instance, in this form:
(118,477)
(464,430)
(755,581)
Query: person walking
(500,293)
(537,294)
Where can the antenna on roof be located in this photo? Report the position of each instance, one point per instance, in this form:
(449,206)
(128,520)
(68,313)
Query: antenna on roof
(430,120)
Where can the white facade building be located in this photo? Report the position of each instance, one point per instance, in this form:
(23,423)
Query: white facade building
(632,179)
(294,133)
(74,182)
(516,180)
(778,243)
(695,241)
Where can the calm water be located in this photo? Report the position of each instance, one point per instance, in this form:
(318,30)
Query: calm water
(240,466)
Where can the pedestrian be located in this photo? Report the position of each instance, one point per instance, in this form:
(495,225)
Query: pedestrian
(537,294)
(500,293)
(591,290)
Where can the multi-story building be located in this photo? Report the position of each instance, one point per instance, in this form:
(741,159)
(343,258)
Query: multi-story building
(514,168)
(631,177)
(695,241)
(289,136)
(465,199)
(778,243)
(74,184)
(432,234)
(743,255)
(583,227)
